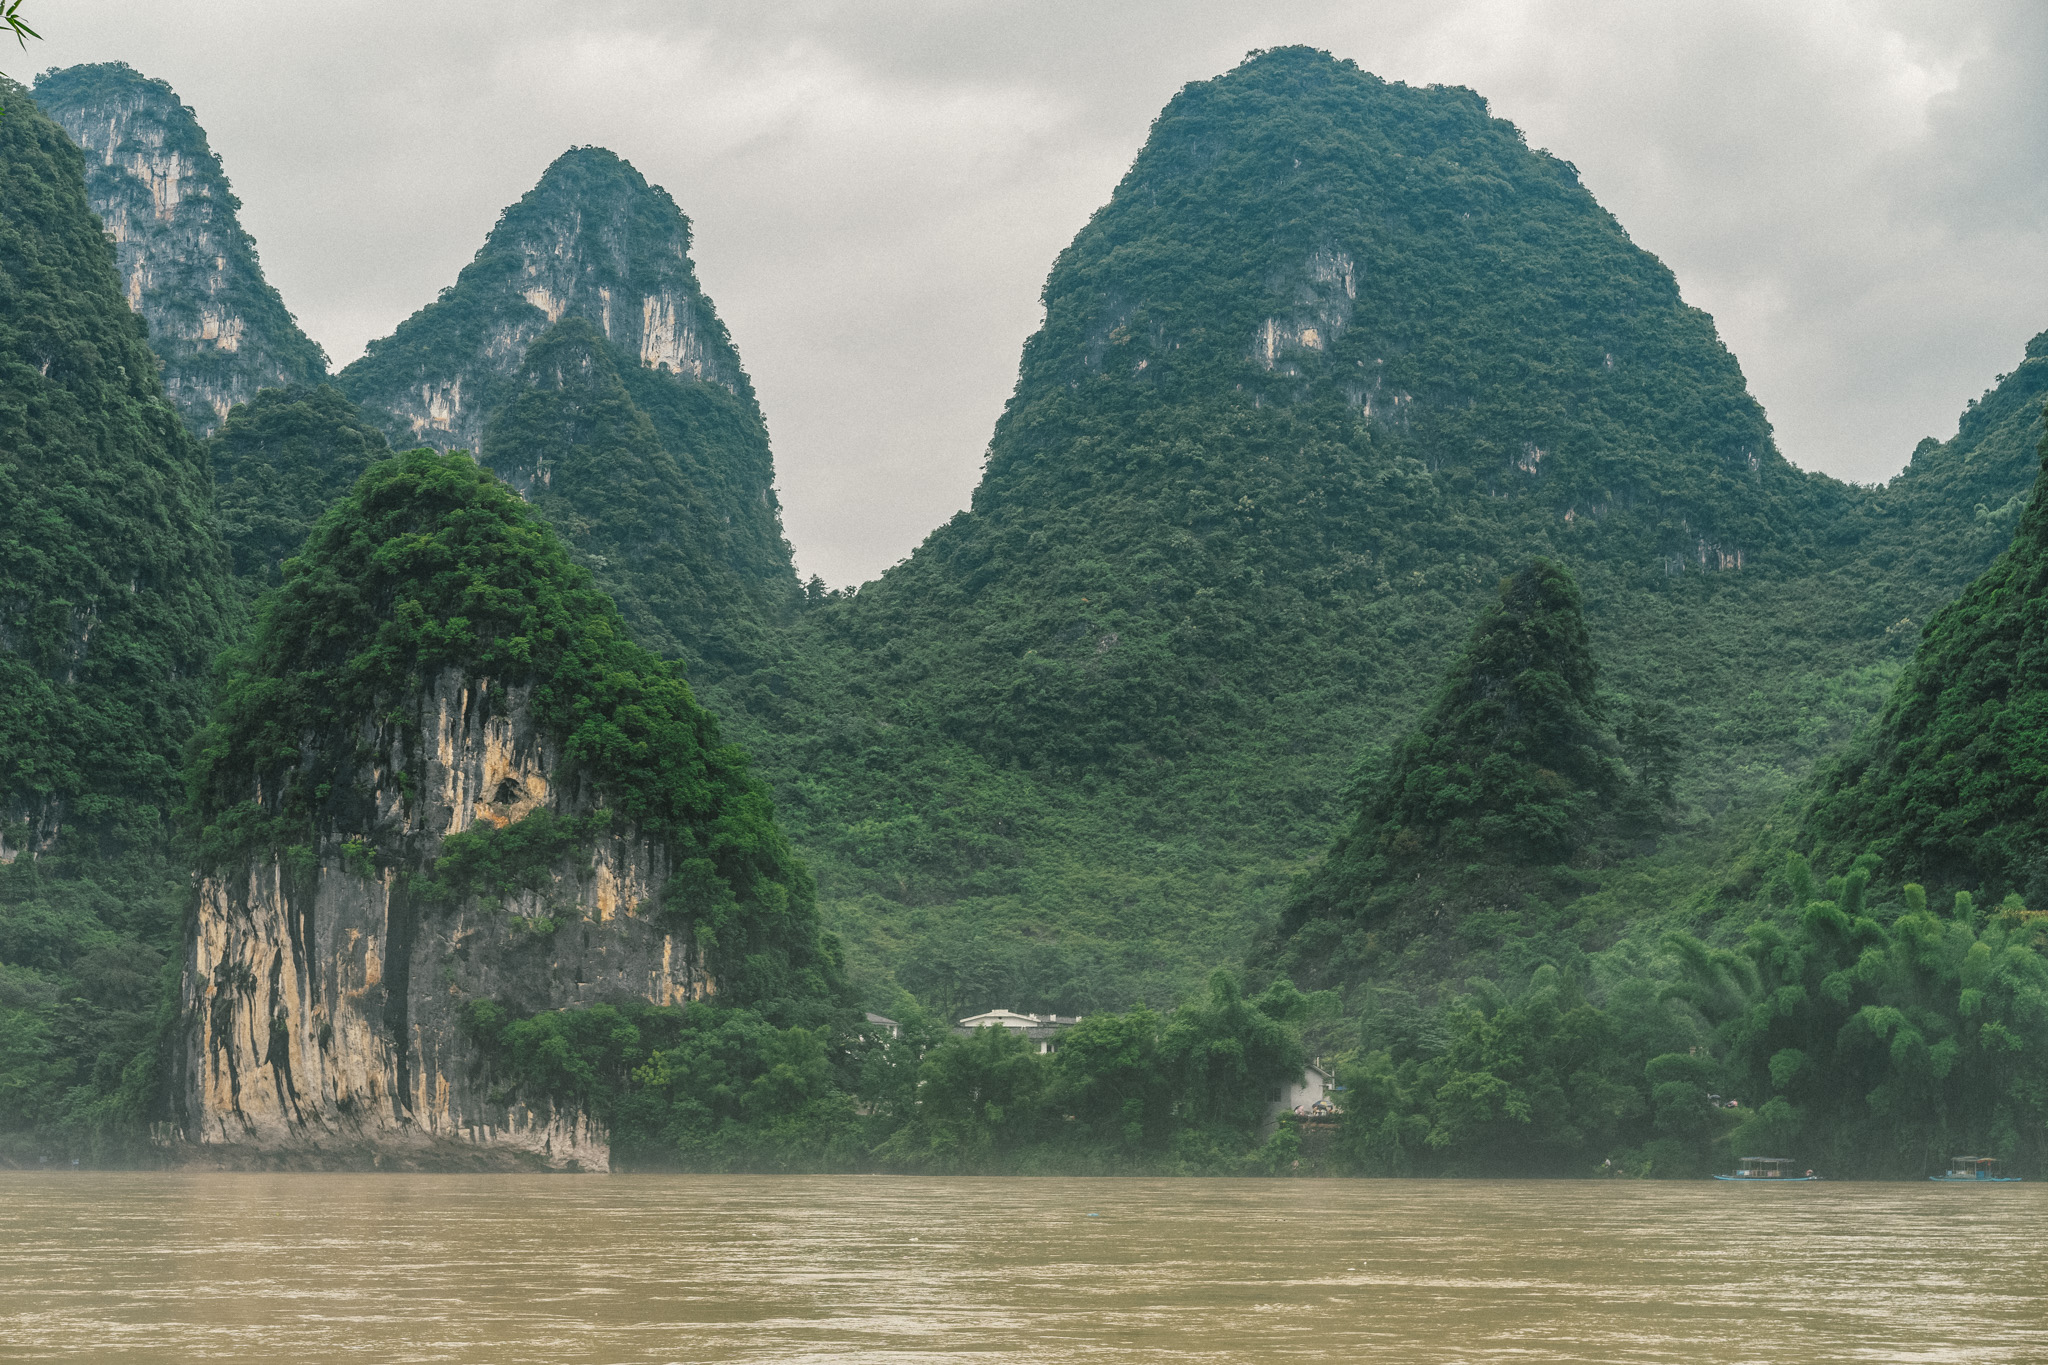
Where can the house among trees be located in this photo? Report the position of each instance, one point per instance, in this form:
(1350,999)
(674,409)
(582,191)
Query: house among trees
(1309,1096)
(1040,1028)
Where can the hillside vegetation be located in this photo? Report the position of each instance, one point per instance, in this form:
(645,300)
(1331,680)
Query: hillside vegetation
(1381,585)
(578,357)
(1336,357)
(114,598)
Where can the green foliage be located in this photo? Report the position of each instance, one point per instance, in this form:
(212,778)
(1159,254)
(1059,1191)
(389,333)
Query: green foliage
(429,564)
(1885,1039)
(491,862)
(10,15)
(112,580)
(1514,772)
(1515,760)
(710,1087)
(1868,1040)
(279,461)
(647,513)
(1186,1092)
(1951,785)
(113,598)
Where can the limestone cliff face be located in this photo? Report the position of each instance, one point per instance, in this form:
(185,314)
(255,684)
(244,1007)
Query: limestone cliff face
(593,240)
(323,996)
(220,329)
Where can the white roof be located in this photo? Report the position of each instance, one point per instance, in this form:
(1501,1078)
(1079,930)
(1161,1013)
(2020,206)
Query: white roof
(1012,1019)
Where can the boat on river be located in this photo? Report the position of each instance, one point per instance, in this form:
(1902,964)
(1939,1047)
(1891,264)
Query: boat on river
(1973,1170)
(1772,1170)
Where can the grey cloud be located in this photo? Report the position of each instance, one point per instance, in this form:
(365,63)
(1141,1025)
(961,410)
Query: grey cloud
(1853,188)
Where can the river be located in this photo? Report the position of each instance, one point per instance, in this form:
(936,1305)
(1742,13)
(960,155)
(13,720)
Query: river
(212,1267)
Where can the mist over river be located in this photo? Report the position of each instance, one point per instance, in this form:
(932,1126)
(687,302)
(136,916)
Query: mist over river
(213,1267)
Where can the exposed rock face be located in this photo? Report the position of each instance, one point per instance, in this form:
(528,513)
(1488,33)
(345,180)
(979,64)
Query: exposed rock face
(323,1002)
(220,329)
(592,240)
(579,359)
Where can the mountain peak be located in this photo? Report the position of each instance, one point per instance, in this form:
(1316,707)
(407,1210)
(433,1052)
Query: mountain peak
(186,263)
(592,239)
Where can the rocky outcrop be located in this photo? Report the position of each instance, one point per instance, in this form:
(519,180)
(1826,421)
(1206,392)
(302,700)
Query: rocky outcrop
(221,331)
(325,989)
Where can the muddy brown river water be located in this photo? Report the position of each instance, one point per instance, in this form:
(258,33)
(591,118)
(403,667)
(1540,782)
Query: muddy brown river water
(873,1268)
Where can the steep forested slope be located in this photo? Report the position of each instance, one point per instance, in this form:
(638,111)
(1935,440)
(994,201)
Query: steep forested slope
(578,345)
(114,598)
(279,461)
(1952,510)
(1950,787)
(219,327)
(1337,355)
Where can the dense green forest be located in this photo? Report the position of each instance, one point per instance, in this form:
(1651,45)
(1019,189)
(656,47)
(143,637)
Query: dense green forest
(1337,355)
(1385,632)
(114,598)
(431,563)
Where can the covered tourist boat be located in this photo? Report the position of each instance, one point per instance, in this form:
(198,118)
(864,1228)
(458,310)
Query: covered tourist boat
(1974,1170)
(1775,1170)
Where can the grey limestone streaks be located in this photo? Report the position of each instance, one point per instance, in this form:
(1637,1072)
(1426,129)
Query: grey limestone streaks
(592,241)
(324,1004)
(221,331)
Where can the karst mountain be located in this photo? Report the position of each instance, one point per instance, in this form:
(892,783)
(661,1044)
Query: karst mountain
(186,263)
(442,778)
(1337,356)
(579,358)
(1380,577)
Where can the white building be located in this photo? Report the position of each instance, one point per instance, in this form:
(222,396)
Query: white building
(1039,1028)
(1314,1087)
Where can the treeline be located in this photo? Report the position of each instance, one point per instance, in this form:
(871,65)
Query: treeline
(713,1088)
(1864,1039)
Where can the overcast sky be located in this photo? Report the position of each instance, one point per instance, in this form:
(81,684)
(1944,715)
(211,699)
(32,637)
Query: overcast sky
(1857,190)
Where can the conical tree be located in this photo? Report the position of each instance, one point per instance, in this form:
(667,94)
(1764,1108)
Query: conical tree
(1951,785)
(1515,761)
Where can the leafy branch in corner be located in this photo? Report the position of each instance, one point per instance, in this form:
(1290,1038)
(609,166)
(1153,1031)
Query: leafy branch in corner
(10,15)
